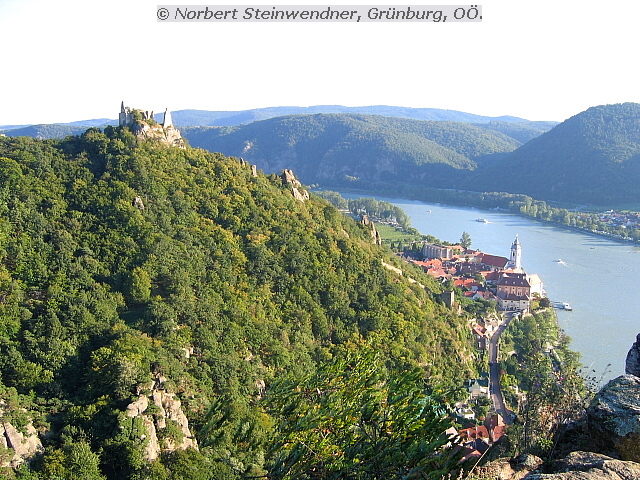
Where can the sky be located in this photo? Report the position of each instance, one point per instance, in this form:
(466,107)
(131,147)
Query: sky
(68,60)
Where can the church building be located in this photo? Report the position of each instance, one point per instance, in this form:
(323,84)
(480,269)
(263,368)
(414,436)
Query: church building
(516,289)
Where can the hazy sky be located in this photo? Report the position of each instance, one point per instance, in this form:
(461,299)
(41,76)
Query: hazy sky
(65,60)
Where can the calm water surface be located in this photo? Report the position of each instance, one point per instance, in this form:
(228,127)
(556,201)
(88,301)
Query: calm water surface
(597,276)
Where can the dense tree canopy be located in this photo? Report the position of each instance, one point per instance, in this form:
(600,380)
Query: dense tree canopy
(124,261)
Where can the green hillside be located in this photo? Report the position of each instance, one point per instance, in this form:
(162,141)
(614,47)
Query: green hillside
(340,149)
(591,158)
(129,270)
(190,118)
(46,131)
(520,131)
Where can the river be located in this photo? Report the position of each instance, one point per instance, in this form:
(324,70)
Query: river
(597,276)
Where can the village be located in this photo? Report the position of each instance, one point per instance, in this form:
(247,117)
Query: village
(499,281)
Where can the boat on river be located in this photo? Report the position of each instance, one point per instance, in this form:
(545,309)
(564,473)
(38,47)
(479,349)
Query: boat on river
(482,220)
(567,306)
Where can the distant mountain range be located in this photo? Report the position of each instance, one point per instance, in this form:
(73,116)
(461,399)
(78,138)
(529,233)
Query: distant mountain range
(208,118)
(192,118)
(592,158)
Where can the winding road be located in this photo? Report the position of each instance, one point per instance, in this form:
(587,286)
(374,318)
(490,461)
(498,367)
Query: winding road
(494,374)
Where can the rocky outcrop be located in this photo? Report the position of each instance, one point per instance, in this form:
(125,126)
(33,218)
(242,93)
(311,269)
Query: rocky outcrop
(614,416)
(24,446)
(157,409)
(509,469)
(168,135)
(589,466)
(575,466)
(288,178)
(375,236)
(137,202)
(632,366)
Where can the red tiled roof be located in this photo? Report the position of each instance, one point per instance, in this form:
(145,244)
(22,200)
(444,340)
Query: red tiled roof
(491,276)
(466,282)
(494,260)
(480,330)
(479,431)
(496,433)
(438,273)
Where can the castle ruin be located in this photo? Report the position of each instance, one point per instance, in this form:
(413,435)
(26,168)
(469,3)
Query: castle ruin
(143,125)
(126,116)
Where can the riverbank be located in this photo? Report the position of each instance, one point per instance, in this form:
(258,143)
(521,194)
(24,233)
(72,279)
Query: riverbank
(514,204)
(597,275)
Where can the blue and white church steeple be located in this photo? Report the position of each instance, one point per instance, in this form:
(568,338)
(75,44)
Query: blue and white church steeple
(515,260)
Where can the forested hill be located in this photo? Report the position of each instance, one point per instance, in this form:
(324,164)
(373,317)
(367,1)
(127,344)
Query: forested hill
(192,118)
(335,149)
(46,131)
(592,158)
(130,272)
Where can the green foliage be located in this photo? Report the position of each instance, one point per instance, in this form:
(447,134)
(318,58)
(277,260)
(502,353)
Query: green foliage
(465,240)
(74,461)
(548,373)
(222,284)
(140,285)
(334,198)
(379,209)
(521,131)
(351,419)
(352,149)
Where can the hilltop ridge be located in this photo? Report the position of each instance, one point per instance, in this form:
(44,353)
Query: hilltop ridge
(591,158)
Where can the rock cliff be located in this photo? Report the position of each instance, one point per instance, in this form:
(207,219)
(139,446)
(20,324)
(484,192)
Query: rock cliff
(18,446)
(632,366)
(161,412)
(168,135)
(589,466)
(375,236)
(288,178)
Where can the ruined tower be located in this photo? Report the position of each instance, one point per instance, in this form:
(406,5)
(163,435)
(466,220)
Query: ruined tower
(167,122)
(125,117)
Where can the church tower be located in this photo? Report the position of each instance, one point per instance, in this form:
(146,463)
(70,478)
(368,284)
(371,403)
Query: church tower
(515,261)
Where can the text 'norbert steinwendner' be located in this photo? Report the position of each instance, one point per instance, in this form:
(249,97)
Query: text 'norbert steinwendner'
(289,13)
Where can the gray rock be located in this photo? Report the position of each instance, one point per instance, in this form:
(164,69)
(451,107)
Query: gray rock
(300,194)
(633,359)
(589,466)
(137,202)
(25,446)
(166,406)
(367,222)
(167,135)
(288,178)
(614,416)
(509,469)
